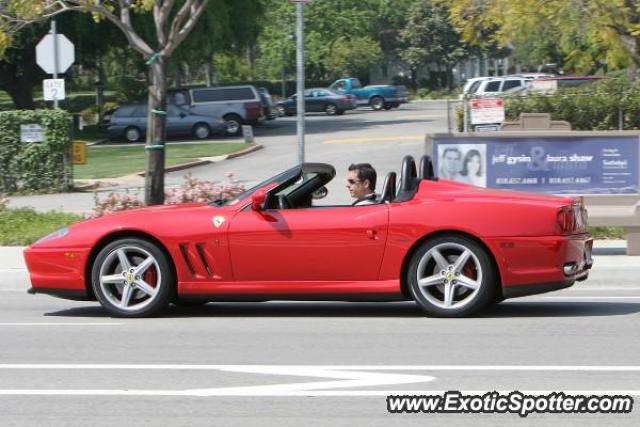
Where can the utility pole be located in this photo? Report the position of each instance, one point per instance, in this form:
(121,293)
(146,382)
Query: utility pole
(300,75)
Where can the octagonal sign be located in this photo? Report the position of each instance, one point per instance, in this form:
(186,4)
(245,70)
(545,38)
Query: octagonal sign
(45,56)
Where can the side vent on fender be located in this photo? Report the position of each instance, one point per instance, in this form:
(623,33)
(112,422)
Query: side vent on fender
(199,248)
(184,250)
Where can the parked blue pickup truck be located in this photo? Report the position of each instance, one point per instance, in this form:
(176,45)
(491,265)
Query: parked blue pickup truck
(377,96)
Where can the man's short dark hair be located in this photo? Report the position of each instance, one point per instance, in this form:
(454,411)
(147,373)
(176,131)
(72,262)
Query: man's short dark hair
(365,171)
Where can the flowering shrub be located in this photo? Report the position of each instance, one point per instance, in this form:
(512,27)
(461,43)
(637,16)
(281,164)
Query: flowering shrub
(191,190)
(195,190)
(115,202)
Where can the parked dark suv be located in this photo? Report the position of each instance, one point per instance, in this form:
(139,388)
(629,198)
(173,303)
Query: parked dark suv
(236,105)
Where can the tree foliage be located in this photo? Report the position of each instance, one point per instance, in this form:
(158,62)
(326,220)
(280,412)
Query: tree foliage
(580,34)
(429,37)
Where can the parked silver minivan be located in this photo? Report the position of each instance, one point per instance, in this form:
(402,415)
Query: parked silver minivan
(236,105)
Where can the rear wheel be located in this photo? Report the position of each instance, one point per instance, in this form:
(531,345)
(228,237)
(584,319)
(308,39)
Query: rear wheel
(132,278)
(451,276)
(132,134)
(377,103)
(331,109)
(233,124)
(281,110)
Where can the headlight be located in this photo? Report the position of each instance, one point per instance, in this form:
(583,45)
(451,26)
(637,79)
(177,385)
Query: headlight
(55,235)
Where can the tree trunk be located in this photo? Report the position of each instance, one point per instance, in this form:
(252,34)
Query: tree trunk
(21,94)
(414,78)
(209,69)
(156,133)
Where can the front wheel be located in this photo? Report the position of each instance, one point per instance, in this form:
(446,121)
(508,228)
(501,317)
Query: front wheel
(132,278)
(132,134)
(201,131)
(451,276)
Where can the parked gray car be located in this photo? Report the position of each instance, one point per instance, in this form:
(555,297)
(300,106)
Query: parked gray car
(129,122)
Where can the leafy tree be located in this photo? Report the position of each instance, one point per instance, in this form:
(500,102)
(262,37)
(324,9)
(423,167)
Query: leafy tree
(429,37)
(582,34)
(339,38)
(173,21)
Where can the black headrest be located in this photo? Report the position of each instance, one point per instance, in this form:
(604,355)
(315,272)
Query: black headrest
(408,173)
(408,180)
(426,168)
(388,188)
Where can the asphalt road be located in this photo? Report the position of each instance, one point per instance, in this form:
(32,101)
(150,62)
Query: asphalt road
(284,363)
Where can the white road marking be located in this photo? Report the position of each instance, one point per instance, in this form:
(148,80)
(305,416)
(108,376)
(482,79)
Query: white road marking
(600,297)
(341,377)
(58,324)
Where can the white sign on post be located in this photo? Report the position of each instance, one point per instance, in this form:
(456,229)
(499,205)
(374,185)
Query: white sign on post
(53,89)
(45,56)
(31,133)
(487,111)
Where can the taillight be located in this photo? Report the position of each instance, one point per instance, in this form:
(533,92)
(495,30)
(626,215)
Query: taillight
(572,219)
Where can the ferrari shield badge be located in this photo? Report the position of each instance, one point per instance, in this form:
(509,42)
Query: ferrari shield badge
(217,221)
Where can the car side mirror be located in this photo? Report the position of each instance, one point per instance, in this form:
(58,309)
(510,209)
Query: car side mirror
(257,200)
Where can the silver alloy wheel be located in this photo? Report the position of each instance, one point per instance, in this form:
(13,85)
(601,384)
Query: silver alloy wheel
(123,281)
(132,134)
(331,110)
(233,127)
(449,276)
(202,131)
(281,110)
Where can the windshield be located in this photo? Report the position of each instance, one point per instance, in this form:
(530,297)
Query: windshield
(281,177)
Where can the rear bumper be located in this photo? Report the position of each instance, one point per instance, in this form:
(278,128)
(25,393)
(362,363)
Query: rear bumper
(531,265)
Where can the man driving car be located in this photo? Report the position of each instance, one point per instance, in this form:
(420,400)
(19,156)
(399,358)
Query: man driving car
(361,183)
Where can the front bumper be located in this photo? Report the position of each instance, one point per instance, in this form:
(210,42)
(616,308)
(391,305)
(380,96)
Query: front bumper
(58,271)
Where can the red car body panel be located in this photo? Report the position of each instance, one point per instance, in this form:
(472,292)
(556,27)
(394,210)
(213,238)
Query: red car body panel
(322,251)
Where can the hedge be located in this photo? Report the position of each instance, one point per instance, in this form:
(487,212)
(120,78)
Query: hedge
(39,166)
(596,106)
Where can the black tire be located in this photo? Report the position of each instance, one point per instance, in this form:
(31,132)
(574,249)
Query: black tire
(108,265)
(377,103)
(477,271)
(331,109)
(233,123)
(201,131)
(132,134)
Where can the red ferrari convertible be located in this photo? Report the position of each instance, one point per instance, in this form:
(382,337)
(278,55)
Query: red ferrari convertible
(451,247)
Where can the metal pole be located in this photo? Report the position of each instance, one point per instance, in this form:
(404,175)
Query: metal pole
(55,57)
(448,117)
(465,119)
(300,77)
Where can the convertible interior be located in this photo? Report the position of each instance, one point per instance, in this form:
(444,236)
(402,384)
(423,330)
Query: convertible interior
(309,183)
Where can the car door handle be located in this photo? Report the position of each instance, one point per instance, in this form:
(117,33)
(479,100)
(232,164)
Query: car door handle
(372,234)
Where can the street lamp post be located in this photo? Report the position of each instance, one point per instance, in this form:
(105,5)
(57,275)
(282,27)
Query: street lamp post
(300,74)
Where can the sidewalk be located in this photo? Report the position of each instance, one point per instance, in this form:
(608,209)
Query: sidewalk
(13,272)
